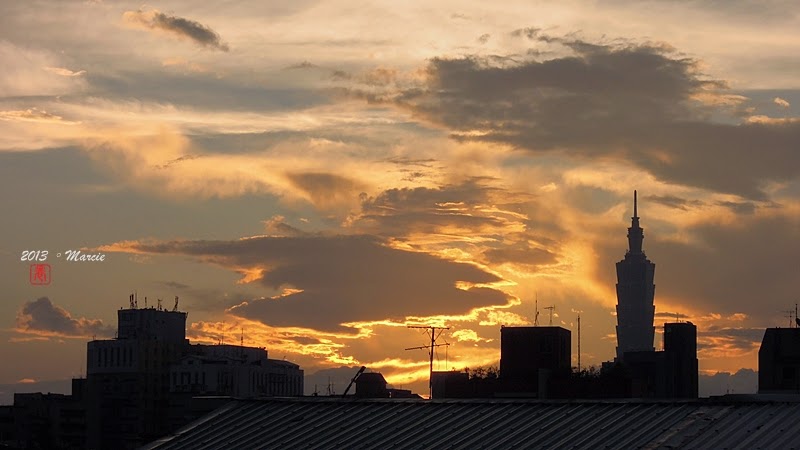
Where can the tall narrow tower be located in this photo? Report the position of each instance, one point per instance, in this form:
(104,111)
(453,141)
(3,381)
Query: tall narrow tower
(635,292)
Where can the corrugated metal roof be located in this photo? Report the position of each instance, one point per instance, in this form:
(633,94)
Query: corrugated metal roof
(332,423)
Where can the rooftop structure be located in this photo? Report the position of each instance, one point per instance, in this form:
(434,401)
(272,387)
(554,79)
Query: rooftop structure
(532,354)
(322,423)
(779,361)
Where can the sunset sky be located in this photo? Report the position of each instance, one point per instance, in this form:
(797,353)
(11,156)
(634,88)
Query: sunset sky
(317,175)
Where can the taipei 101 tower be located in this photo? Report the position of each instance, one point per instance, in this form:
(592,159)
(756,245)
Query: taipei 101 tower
(635,292)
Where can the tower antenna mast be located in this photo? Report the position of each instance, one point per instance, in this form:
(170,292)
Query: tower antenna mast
(431,330)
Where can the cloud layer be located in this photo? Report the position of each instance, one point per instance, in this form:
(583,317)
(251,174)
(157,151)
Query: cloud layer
(641,103)
(332,280)
(175,26)
(43,318)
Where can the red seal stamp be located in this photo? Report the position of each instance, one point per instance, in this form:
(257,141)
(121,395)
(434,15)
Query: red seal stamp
(40,274)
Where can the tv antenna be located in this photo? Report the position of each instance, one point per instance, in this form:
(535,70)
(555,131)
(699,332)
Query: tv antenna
(551,308)
(791,315)
(796,317)
(431,330)
(331,391)
(536,311)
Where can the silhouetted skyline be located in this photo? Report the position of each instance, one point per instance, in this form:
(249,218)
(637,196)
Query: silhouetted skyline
(315,175)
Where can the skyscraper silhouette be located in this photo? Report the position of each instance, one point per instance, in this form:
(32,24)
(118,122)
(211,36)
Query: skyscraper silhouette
(635,292)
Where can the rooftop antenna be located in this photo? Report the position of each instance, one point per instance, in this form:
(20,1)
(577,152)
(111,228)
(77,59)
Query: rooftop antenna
(175,308)
(635,209)
(135,299)
(131,300)
(159,304)
(431,330)
(551,308)
(536,316)
(579,342)
(789,314)
(145,302)
(330,388)
(796,317)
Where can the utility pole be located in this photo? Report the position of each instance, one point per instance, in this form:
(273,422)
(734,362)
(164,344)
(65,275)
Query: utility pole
(434,336)
(579,342)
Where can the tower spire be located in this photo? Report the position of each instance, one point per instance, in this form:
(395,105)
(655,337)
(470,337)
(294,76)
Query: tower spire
(635,232)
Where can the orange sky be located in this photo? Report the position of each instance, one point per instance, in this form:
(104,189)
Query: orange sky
(318,175)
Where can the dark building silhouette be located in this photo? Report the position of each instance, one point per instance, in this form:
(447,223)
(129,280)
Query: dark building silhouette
(672,373)
(8,434)
(635,293)
(680,353)
(128,378)
(49,421)
(529,356)
(144,383)
(779,361)
(373,385)
(451,384)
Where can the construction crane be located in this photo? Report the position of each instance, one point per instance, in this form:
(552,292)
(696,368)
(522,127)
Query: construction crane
(358,374)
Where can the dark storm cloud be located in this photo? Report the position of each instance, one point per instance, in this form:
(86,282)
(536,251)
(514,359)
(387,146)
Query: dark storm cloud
(42,317)
(644,104)
(178,26)
(342,278)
